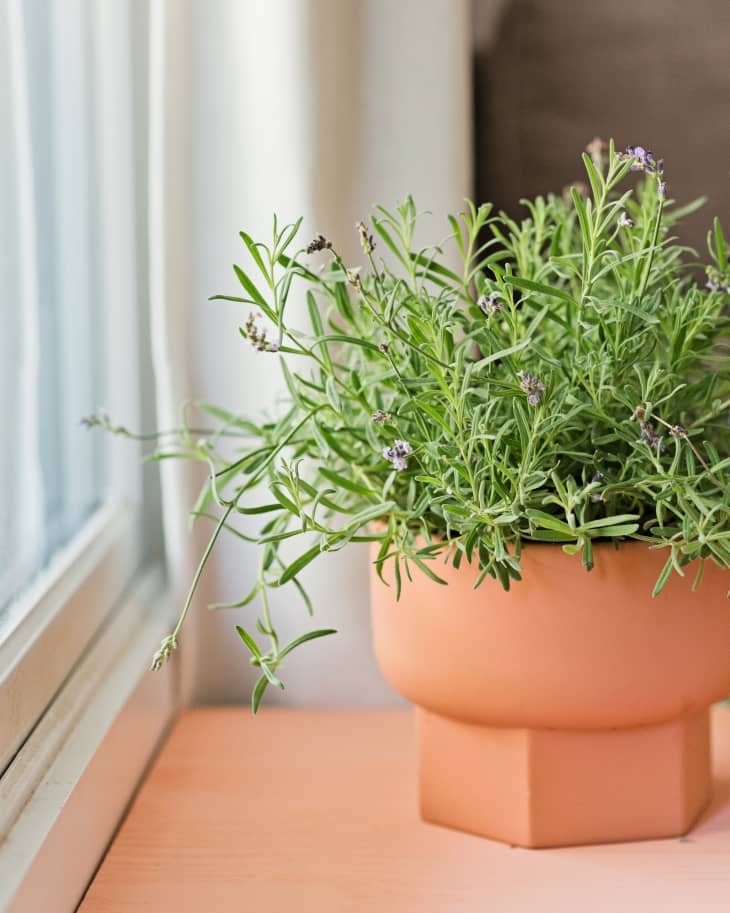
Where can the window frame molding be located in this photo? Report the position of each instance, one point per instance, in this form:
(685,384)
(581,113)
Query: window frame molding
(58,615)
(102,729)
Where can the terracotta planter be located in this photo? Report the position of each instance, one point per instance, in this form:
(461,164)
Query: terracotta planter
(573,709)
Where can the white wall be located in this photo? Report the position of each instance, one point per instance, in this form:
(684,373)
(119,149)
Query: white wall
(319,108)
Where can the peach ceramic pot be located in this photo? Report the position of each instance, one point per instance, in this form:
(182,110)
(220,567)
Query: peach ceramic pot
(571,709)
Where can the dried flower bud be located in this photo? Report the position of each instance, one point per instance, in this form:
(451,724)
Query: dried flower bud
(257,335)
(366,239)
(638,413)
(598,151)
(167,648)
(532,386)
(650,437)
(353,277)
(319,243)
(102,420)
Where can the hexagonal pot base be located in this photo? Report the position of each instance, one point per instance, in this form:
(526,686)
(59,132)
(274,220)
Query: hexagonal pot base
(549,787)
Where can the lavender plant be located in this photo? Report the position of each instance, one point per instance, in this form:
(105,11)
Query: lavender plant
(568,382)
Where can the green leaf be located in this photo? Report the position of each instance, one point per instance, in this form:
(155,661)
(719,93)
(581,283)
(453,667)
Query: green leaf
(249,641)
(427,570)
(503,353)
(299,564)
(298,641)
(528,285)
(370,513)
(346,483)
(663,577)
(270,676)
(255,294)
(332,395)
(550,522)
(258,693)
(551,535)
(349,340)
(254,251)
(609,521)
(594,176)
(622,530)
(720,246)
(384,234)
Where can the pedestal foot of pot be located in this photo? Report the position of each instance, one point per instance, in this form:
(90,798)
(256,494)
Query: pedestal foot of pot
(548,787)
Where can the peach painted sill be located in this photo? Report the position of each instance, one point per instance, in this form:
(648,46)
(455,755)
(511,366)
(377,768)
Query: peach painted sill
(302,811)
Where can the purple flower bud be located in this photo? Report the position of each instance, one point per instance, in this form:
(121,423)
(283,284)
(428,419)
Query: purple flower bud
(489,304)
(398,454)
(642,160)
(650,437)
(532,386)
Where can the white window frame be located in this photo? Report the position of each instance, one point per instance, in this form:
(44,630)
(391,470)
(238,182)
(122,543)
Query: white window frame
(79,709)
(63,796)
(57,617)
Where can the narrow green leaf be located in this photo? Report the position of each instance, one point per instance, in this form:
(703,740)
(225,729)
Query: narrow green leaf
(311,635)
(384,234)
(253,249)
(271,677)
(346,483)
(528,285)
(250,287)
(609,521)
(299,564)
(663,577)
(249,641)
(503,353)
(370,514)
(258,693)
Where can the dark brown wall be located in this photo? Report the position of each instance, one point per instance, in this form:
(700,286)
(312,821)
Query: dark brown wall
(552,74)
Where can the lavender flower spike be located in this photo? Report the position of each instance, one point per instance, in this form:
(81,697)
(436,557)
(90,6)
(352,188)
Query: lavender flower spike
(650,437)
(643,160)
(398,454)
(716,281)
(489,304)
(532,386)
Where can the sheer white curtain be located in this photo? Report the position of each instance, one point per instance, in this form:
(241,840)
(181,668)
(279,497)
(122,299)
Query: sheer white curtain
(20,472)
(67,269)
(304,107)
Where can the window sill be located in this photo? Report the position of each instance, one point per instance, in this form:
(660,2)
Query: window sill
(71,781)
(316,810)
